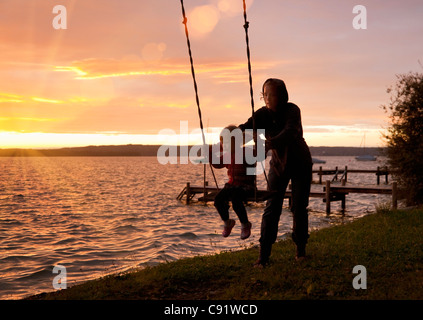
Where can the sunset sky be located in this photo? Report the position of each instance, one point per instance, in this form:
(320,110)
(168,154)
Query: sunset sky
(120,72)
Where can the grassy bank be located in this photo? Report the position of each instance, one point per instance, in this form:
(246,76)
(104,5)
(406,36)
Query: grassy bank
(389,245)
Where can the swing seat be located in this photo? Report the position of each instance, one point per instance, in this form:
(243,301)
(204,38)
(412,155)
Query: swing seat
(209,193)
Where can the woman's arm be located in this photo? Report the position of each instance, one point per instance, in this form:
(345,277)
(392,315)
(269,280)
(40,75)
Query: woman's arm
(216,161)
(292,129)
(259,123)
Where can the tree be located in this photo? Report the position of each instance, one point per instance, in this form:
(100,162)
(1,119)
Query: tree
(404,136)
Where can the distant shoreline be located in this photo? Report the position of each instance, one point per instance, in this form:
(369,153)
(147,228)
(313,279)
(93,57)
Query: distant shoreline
(151,150)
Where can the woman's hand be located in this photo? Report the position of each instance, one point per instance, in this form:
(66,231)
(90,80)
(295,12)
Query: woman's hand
(268,145)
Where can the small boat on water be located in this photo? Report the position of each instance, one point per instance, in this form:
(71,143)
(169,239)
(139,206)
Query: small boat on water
(366,157)
(315,160)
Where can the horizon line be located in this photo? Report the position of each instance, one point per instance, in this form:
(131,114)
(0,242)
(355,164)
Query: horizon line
(158,145)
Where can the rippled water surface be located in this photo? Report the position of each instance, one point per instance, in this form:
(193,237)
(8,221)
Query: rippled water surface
(97,215)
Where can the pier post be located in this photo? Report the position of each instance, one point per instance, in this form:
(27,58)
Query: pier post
(327,196)
(320,174)
(394,196)
(206,183)
(343,206)
(378,175)
(346,174)
(188,192)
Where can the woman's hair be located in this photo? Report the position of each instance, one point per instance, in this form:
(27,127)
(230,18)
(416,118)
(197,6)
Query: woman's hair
(280,86)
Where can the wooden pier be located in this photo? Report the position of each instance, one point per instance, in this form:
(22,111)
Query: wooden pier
(343,190)
(343,173)
(329,194)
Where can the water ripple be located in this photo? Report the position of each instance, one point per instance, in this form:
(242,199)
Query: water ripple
(100,215)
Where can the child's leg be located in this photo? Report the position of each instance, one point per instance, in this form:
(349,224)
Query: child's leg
(239,208)
(221,203)
(238,196)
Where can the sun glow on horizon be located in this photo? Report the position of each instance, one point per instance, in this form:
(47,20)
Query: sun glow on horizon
(39,140)
(318,136)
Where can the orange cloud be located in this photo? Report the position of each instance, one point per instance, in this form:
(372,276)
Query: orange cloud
(7,97)
(89,69)
(224,72)
(46,100)
(14,98)
(26,119)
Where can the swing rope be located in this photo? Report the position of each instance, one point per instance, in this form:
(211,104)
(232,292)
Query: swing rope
(250,78)
(195,85)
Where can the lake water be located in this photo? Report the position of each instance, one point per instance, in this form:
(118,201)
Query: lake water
(100,215)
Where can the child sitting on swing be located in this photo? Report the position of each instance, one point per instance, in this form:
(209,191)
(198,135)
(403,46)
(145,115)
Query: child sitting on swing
(240,185)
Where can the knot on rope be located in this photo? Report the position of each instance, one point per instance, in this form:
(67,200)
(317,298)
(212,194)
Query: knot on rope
(246,25)
(185,21)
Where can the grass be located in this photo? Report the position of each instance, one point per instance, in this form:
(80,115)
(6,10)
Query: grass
(389,244)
